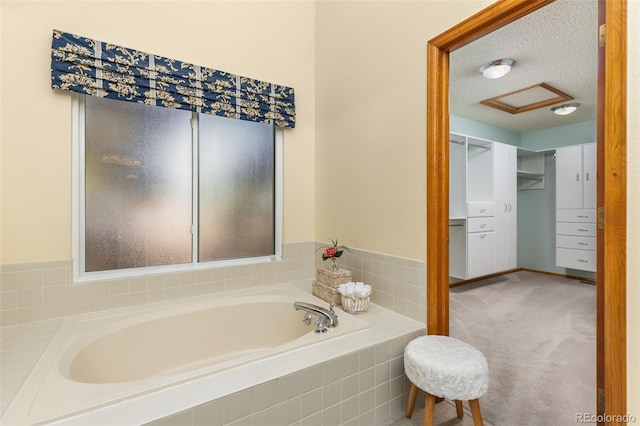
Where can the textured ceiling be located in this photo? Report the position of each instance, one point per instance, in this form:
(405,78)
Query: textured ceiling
(557,45)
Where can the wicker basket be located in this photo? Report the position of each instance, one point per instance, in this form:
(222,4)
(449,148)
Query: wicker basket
(354,306)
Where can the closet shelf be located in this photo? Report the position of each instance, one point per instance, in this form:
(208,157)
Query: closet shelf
(530,175)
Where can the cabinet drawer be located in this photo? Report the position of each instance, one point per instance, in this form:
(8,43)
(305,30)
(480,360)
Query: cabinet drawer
(480,209)
(581,243)
(583,260)
(583,216)
(481,254)
(481,224)
(576,229)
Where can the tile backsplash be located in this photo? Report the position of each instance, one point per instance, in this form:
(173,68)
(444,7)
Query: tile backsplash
(397,283)
(32,292)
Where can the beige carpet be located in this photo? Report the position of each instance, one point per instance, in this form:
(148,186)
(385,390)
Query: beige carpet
(538,335)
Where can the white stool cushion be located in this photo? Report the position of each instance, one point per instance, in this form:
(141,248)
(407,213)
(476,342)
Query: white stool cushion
(446,367)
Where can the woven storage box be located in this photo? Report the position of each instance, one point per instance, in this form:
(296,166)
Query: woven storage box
(326,293)
(333,278)
(353,305)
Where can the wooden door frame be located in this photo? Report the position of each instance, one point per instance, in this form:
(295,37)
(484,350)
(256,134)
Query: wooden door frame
(611,182)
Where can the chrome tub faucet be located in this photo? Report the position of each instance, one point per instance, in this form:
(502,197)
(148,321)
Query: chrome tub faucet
(324,317)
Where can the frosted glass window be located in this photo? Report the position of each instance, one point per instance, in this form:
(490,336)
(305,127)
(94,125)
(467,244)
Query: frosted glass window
(138,185)
(236,189)
(163,187)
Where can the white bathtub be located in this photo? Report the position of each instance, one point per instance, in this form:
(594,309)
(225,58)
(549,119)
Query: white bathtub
(97,361)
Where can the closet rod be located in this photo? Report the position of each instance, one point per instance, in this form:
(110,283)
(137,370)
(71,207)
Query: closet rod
(480,146)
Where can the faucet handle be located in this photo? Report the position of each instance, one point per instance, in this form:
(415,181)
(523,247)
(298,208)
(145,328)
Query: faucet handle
(331,308)
(320,326)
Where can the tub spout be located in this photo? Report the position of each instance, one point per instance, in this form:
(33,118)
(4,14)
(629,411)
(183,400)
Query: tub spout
(326,317)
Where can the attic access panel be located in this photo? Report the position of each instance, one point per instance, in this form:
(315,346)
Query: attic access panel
(529,98)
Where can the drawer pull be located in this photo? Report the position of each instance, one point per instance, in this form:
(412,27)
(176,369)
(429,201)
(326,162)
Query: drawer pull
(583,261)
(583,216)
(583,244)
(483,210)
(583,230)
(483,225)
(483,235)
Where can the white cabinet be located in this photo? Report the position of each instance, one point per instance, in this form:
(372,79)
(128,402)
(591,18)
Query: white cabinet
(481,239)
(506,184)
(576,177)
(576,207)
(482,207)
(481,242)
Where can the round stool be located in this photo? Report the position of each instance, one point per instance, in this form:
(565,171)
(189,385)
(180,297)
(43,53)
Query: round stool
(445,367)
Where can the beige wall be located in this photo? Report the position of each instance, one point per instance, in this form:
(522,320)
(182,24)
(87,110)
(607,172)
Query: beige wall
(273,41)
(354,166)
(370,122)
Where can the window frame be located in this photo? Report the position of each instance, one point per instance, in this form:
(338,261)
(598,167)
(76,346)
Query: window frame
(78,209)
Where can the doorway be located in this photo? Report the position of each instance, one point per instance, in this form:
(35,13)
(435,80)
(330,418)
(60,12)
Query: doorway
(611,183)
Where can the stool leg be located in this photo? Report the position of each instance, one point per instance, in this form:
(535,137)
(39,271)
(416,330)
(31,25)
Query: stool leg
(459,411)
(475,412)
(413,394)
(429,406)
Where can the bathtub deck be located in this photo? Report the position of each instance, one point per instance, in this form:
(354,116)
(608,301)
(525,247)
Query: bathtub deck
(23,345)
(20,349)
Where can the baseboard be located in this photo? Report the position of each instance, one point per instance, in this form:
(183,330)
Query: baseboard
(510,271)
(484,277)
(555,274)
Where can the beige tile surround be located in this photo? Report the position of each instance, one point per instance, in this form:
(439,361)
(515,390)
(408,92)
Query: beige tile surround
(362,388)
(397,283)
(41,291)
(357,379)
(36,297)
(32,292)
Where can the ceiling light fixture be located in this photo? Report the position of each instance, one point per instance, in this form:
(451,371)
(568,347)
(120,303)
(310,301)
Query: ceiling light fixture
(497,68)
(565,109)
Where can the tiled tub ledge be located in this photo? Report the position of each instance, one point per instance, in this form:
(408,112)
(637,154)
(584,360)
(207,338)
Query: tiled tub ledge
(355,379)
(20,348)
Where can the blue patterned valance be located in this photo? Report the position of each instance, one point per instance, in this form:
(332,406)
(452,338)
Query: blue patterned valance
(96,68)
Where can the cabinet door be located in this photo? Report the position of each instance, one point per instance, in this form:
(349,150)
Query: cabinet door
(569,177)
(589,173)
(481,254)
(511,179)
(506,227)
